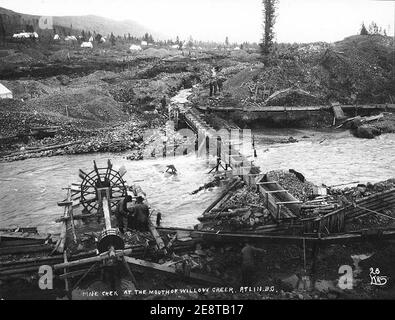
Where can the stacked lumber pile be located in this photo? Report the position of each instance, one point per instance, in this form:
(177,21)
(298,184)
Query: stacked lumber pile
(240,209)
(319,206)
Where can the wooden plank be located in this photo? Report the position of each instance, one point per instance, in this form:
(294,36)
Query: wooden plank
(22,236)
(361,202)
(172,270)
(157,237)
(63,232)
(73,274)
(232,185)
(15,243)
(338,112)
(289,202)
(274,191)
(266,183)
(25,249)
(101,257)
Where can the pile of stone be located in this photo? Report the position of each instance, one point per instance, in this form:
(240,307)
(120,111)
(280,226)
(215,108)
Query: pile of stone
(295,183)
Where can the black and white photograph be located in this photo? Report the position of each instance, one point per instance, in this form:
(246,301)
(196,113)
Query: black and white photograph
(163,151)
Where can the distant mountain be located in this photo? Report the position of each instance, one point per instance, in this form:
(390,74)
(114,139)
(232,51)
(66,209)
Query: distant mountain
(12,22)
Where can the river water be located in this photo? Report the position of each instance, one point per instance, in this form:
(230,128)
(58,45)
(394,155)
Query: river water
(329,157)
(30,189)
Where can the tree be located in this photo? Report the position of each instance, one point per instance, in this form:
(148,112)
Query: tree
(29,28)
(227,41)
(269,16)
(98,37)
(373,28)
(112,39)
(190,42)
(364,31)
(177,40)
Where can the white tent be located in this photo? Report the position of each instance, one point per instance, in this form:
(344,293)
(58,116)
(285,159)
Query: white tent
(56,37)
(5,93)
(86,45)
(70,38)
(91,39)
(134,47)
(25,35)
(144,43)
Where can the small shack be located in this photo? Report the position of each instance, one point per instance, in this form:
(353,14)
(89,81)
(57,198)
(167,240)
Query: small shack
(5,93)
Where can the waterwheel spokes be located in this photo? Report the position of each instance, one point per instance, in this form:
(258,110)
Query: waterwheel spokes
(94,179)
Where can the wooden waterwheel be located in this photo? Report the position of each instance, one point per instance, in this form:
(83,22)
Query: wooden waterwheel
(102,178)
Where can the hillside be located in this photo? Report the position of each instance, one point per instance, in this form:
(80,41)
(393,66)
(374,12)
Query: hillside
(11,22)
(358,69)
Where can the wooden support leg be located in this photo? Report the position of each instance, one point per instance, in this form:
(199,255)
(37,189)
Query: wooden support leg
(129,271)
(66,281)
(314,254)
(84,275)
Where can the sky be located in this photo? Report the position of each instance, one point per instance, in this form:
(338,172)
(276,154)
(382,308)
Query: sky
(240,20)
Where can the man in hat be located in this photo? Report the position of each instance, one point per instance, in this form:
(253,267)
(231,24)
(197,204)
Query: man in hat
(122,212)
(139,217)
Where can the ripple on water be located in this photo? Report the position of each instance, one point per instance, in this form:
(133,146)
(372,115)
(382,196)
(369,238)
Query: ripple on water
(30,189)
(339,160)
(40,183)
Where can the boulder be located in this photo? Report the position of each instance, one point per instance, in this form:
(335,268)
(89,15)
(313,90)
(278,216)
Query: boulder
(367,132)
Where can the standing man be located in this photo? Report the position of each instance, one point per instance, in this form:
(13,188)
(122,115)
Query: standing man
(139,218)
(248,267)
(122,212)
(220,80)
(163,102)
(213,82)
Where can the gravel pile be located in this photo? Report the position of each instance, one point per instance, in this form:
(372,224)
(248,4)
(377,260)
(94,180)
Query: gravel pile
(289,181)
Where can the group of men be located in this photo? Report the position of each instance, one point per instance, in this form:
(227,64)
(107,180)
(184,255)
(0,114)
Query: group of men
(216,81)
(137,215)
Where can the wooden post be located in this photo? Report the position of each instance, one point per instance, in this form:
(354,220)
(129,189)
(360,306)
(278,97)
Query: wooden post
(66,281)
(159,242)
(103,198)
